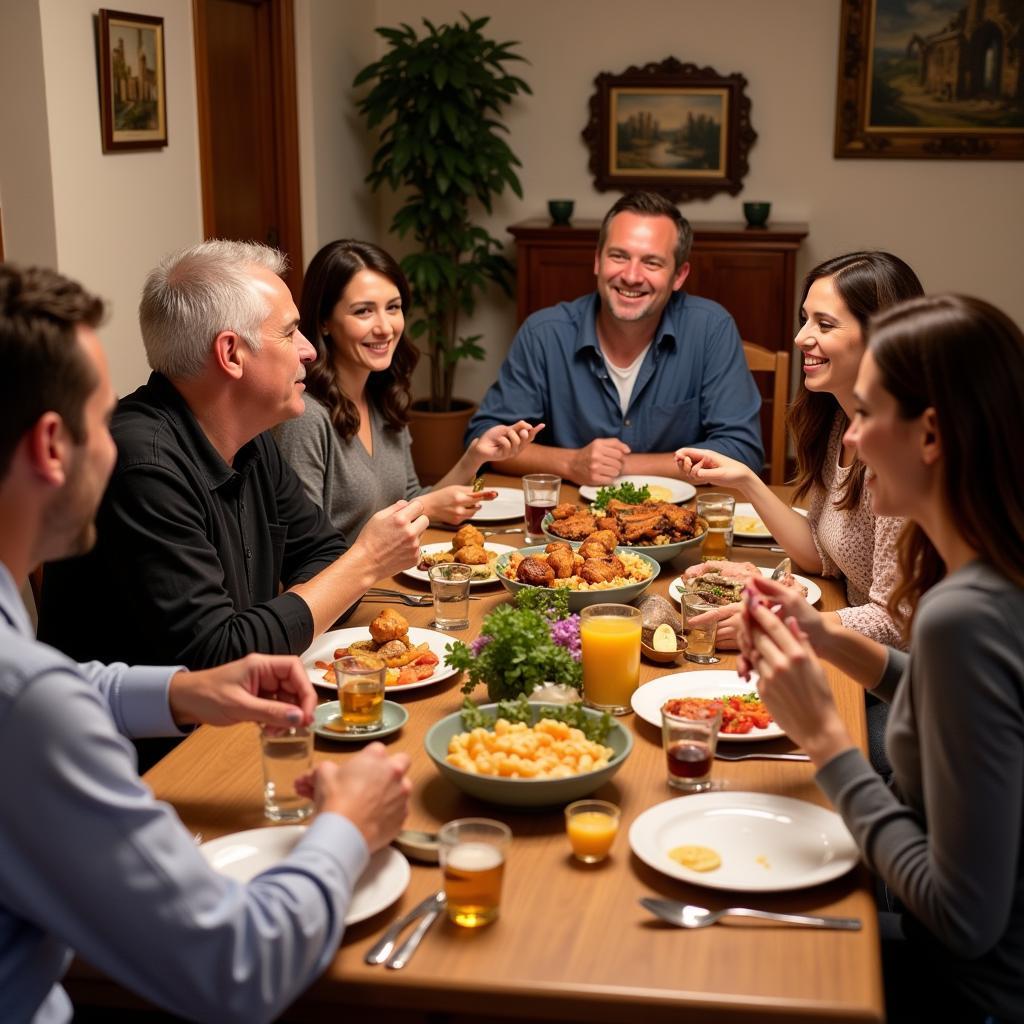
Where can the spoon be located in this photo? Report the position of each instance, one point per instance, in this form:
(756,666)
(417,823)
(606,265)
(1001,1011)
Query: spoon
(686,915)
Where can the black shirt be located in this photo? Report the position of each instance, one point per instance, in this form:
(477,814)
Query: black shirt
(192,554)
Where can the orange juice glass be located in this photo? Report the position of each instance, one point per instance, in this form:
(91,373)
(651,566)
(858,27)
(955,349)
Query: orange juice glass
(591,826)
(610,641)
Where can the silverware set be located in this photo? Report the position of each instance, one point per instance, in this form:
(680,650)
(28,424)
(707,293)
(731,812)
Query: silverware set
(384,951)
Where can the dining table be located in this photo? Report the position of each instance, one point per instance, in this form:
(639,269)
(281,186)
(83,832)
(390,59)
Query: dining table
(572,942)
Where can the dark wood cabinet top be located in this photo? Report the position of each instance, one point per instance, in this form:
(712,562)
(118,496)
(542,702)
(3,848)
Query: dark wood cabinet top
(586,229)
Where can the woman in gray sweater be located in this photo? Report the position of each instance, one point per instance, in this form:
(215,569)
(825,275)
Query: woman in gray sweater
(351,448)
(937,421)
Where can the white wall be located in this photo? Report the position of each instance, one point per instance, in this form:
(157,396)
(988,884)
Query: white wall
(957,223)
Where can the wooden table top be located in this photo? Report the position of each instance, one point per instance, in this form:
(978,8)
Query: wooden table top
(572,942)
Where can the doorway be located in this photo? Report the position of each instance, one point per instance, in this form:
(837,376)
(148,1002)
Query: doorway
(248,129)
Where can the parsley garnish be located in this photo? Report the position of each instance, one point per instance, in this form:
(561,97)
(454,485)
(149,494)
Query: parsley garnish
(627,492)
(520,710)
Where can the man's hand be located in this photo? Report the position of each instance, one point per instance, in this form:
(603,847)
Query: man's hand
(370,789)
(390,540)
(272,689)
(599,463)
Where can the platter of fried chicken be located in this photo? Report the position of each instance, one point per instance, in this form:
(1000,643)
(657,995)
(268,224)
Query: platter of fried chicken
(721,582)
(659,529)
(596,571)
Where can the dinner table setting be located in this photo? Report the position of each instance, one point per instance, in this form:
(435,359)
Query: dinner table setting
(642,883)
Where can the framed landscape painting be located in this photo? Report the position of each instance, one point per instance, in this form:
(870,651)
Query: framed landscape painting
(925,79)
(673,128)
(133,93)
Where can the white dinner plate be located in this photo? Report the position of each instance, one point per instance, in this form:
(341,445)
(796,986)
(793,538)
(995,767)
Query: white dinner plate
(680,490)
(433,549)
(757,531)
(709,683)
(243,855)
(813,590)
(509,504)
(323,650)
(767,843)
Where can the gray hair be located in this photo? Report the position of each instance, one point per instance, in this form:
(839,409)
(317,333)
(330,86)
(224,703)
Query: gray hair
(197,293)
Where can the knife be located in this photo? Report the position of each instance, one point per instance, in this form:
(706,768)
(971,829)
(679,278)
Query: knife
(404,953)
(381,949)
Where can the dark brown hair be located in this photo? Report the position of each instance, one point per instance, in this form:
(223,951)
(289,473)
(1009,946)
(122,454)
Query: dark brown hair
(326,279)
(650,204)
(965,359)
(866,282)
(45,368)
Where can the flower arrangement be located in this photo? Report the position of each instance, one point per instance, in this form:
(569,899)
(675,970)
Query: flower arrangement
(521,646)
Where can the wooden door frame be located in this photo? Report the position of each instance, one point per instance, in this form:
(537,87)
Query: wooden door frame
(286,130)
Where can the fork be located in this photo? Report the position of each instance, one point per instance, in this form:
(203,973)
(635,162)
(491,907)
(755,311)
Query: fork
(415,600)
(687,915)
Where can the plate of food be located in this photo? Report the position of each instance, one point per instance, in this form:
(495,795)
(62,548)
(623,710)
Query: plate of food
(659,488)
(744,842)
(722,582)
(467,547)
(509,504)
(746,523)
(618,575)
(744,717)
(658,529)
(414,656)
(244,855)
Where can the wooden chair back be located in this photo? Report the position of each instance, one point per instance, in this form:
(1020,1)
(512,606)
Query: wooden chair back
(764,360)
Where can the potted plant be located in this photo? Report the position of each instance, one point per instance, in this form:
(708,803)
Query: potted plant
(436,101)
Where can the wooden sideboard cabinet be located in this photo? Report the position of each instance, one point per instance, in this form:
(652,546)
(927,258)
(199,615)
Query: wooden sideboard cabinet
(750,271)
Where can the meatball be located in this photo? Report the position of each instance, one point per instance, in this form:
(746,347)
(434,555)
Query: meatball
(471,554)
(536,572)
(466,535)
(561,561)
(389,625)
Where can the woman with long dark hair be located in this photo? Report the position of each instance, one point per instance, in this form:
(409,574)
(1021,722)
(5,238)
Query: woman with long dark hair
(937,412)
(840,536)
(351,448)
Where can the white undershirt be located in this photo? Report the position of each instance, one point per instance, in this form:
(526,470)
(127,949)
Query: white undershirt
(624,377)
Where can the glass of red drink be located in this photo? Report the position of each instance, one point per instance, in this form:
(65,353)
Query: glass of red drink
(689,742)
(540,493)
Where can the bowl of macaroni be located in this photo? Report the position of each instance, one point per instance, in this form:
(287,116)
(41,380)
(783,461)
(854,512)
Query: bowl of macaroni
(526,766)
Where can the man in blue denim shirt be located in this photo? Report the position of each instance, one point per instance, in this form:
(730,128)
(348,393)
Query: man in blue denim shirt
(625,376)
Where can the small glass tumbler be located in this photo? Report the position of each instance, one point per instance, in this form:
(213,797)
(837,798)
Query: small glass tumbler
(472,855)
(287,754)
(718,511)
(540,493)
(449,586)
(591,826)
(360,692)
(689,742)
(700,640)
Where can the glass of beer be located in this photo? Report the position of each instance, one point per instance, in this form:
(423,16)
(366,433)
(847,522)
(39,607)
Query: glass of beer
(610,646)
(360,692)
(472,855)
(689,741)
(700,640)
(718,511)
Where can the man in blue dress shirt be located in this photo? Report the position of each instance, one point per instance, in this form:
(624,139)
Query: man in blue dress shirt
(624,377)
(89,860)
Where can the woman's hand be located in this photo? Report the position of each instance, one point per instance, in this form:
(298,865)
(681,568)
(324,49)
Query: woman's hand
(728,618)
(700,466)
(502,442)
(455,504)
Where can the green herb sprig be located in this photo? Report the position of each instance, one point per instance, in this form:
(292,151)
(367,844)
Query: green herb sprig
(520,710)
(627,492)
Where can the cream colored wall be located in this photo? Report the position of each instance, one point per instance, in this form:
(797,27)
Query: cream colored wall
(957,223)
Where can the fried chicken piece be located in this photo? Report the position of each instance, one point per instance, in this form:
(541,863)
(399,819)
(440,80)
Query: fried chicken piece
(465,536)
(596,570)
(535,571)
(609,538)
(591,548)
(561,561)
(471,554)
(577,527)
(641,527)
(557,545)
(608,523)
(565,510)
(389,625)
(682,522)
(617,565)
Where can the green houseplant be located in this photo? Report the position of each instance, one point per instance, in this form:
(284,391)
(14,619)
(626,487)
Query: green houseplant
(436,102)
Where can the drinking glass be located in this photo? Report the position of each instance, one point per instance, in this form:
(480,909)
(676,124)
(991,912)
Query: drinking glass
(610,644)
(472,856)
(540,492)
(700,640)
(360,693)
(449,585)
(591,826)
(689,742)
(718,510)
(286,755)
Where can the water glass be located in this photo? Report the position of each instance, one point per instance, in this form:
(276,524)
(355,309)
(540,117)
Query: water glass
(287,754)
(689,742)
(449,585)
(700,640)
(610,646)
(591,826)
(472,855)
(718,511)
(540,493)
(360,693)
